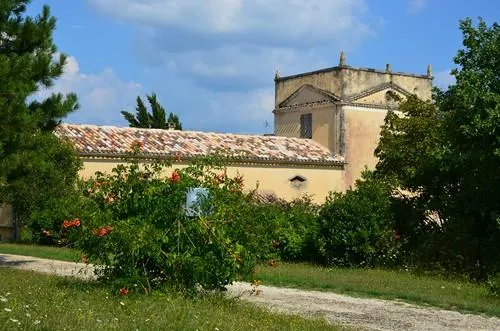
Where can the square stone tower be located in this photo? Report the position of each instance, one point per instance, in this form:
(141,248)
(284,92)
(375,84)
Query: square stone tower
(343,108)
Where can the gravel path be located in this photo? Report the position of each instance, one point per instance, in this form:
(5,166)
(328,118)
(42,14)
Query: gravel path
(367,314)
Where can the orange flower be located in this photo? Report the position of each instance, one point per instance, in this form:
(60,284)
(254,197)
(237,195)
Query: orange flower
(109,198)
(219,178)
(85,259)
(175,177)
(102,231)
(73,223)
(123,291)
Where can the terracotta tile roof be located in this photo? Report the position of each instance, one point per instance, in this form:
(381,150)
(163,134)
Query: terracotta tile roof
(109,141)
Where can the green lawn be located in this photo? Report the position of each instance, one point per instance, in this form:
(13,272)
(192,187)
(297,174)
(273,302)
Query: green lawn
(46,252)
(423,290)
(30,301)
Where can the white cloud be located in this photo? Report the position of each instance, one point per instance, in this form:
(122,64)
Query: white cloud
(443,79)
(416,6)
(101,96)
(239,67)
(215,59)
(284,18)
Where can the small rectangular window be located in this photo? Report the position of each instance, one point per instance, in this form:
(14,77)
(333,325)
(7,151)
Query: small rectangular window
(306,126)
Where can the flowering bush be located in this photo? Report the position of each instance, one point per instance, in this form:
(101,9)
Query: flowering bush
(140,231)
(58,223)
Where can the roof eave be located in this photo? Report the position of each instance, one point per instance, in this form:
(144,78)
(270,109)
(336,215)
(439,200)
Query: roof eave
(228,160)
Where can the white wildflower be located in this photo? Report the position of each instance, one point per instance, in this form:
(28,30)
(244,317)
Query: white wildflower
(37,322)
(7,310)
(13,320)
(28,315)
(121,303)
(3,299)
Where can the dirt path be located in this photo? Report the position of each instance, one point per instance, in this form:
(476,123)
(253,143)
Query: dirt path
(367,314)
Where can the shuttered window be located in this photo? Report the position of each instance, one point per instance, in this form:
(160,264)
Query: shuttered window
(306,126)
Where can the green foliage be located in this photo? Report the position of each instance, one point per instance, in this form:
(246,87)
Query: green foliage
(493,285)
(154,120)
(446,155)
(41,186)
(140,231)
(356,227)
(298,233)
(36,168)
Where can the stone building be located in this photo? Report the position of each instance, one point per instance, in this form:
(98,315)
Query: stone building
(343,108)
(327,125)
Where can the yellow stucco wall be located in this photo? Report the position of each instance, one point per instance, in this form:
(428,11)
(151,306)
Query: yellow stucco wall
(361,125)
(362,133)
(378,98)
(345,82)
(270,179)
(287,124)
(326,80)
(357,80)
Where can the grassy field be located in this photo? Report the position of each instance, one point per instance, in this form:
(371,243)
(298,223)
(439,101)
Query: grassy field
(46,252)
(423,290)
(30,301)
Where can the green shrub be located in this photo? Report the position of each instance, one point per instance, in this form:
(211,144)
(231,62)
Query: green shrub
(46,224)
(357,228)
(252,223)
(493,285)
(141,234)
(41,187)
(297,237)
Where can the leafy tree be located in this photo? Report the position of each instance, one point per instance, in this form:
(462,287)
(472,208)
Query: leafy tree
(154,120)
(356,227)
(447,155)
(34,164)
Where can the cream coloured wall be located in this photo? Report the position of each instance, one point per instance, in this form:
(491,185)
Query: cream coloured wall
(287,124)
(379,98)
(328,80)
(362,134)
(355,80)
(268,178)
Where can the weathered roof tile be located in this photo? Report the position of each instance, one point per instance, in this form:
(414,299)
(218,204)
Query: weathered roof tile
(109,140)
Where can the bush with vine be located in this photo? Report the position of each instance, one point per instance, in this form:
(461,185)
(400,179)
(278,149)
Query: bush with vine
(141,234)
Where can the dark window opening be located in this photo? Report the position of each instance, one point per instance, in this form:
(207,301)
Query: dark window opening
(306,126)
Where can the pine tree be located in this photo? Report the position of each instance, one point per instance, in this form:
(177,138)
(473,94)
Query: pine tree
(29,61)
(154,120)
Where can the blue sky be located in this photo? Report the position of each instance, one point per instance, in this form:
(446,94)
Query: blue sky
(213,61)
